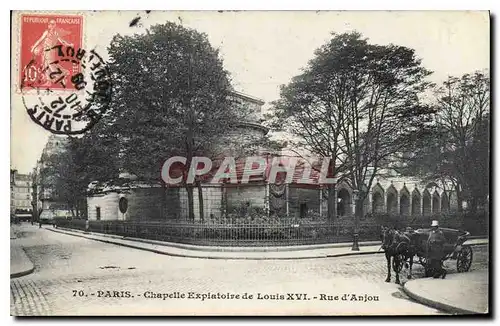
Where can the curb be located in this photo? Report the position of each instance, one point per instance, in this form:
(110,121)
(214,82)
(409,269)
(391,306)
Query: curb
(212,257)
(26,271)
(162,252)
(22,273)
(436,304)
(372,252)
(224,249)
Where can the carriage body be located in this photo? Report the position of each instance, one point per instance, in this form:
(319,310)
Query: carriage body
(454,247)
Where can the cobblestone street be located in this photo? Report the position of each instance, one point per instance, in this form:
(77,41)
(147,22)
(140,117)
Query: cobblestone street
(76,276)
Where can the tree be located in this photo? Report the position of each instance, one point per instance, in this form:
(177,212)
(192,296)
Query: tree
(380,87)
(171,96)
(308,110)
(356,104)
(68,172)
(66,183)
(456,151)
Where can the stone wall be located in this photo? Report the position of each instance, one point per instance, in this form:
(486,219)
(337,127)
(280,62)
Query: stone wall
(172,203)
(212,202)
(146,203)
(108,204)
(255,195)
(303,202)
(143,204)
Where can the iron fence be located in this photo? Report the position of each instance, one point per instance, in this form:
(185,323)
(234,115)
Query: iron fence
(219,233)
(241,234)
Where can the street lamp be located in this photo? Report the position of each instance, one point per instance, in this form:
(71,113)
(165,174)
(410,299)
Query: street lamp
(355,245)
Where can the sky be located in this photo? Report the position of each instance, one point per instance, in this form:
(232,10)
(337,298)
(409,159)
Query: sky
(265,49)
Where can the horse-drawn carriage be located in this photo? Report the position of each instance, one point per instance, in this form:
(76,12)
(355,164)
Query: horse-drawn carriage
(404,246)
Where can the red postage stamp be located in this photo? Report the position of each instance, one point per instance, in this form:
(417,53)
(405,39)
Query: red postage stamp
(43,38)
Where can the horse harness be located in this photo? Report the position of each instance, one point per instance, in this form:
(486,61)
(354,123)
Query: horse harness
(399,242)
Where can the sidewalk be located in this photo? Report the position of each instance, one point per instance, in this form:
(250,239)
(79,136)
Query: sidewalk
(20,264)
(257,253)
(460,293)
(13,231)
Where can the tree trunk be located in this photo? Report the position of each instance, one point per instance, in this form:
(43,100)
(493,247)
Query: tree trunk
(472,204)
(200,201)
(163,201)
(359,209)
(332,205)
(224,201)
(189,190)
(85,211)
(79,208)
(459,201)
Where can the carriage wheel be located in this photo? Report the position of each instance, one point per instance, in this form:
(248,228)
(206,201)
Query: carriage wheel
(397,263)
(464,259)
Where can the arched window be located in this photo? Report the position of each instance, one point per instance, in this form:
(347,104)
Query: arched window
(436,203)
(404,202)
(392,200)
(378,199)
(343,202)
(453,201)
(415,203)
(426,203)
(445,204)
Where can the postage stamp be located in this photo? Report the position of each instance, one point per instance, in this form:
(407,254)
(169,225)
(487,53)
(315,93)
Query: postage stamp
(40,65)
(65,88)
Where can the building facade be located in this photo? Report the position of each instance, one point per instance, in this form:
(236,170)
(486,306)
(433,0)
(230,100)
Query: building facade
(44,203)
(21,196)
(138,201)
(391,194)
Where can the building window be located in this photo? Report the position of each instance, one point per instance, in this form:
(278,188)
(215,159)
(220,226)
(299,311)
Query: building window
(98,213)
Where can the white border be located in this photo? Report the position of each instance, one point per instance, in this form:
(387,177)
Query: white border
(223,5)
(263,5)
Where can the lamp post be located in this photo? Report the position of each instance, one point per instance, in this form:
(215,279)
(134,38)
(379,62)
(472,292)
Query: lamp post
(355,245)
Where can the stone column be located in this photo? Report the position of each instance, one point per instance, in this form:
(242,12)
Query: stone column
(224,201)
(398,201)
(432,204)
(320,203)
(368,199)
(410,201)
(287,188)
(421,204)
(384,201)
(266,198)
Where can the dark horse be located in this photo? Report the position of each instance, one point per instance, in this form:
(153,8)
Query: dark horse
(398,246)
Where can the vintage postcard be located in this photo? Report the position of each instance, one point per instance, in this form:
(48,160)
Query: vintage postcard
(257,163)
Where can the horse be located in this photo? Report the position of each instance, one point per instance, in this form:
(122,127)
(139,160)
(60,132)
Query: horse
(399,246)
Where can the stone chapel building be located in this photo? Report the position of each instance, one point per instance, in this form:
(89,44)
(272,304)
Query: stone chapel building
(147,202)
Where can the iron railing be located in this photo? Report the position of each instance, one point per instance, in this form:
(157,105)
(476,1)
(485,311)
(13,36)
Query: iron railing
(218,234)
(223,233)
